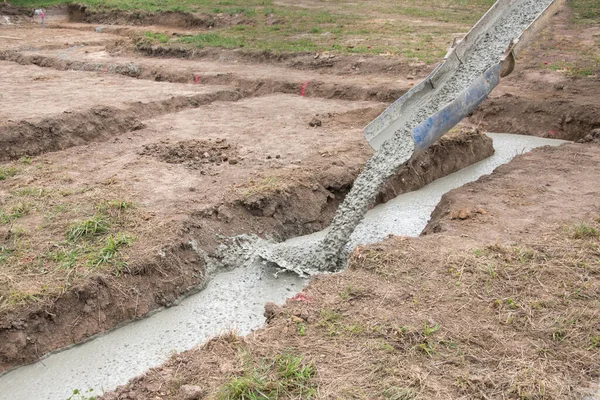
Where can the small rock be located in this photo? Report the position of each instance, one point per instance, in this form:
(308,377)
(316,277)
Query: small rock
(192,392)
(271,311)
(410,77)
(223,214)
(153,387)
(461,214)
(315,122)
(233,161)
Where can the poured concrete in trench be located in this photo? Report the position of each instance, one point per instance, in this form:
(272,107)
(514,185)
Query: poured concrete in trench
(232,300)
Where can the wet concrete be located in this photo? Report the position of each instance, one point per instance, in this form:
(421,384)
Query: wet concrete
(329,253)
(232,300)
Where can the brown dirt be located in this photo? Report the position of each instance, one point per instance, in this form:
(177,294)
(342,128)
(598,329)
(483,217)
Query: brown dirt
(74,117)
(255,81)
(79,13)
(273,189)
(500,305)
(194,154)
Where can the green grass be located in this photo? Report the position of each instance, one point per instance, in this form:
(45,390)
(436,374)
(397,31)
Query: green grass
(110,249)
(585,231)
(571,69)
(346,28)
(7,172)
(214,40)
(285,376)
(586,11)
(18,211)
(94,226)
(157,36)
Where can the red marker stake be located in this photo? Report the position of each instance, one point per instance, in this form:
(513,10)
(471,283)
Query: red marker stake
(197,79)
(304,89)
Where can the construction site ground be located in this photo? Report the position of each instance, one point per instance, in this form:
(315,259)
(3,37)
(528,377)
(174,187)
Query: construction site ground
(127,153)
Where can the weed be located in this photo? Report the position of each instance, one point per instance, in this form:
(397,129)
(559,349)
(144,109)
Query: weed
(66,259)
(512,304)
(288,376)
(80,395)
(585,231)
(571,69)
(7,172)
(559,335)
(25,160)
(33,192)
(5,253)
(94,226)
(110,249)
(214,40)
(430,330)
(301,327)
(330,320)
(426,348)
(350,292)
(114,207)
(330,316)
(18,211)
(595,342)
(354,329)
(161,37)
(16,297)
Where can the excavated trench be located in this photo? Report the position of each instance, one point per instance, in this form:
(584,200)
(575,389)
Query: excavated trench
(304,206)
(232,300)
(249,86)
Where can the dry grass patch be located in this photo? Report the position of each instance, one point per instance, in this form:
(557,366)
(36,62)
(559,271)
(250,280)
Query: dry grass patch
(420,319)
(54,232)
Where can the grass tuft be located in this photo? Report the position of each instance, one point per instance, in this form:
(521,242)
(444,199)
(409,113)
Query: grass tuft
(287,376)
(110,249)
(585,231)
(94,226)
(7,172)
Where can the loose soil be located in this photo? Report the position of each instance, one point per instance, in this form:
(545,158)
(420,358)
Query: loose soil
(499,303)
(155,198)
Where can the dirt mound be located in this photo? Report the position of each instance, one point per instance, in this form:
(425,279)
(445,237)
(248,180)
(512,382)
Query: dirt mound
(557,119)
(80,13)
(340,64)
(9,9)
(195,154)
(593,137)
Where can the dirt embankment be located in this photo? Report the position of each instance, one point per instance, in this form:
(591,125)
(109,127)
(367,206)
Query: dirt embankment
(28,138)
(500,304)
(331,63)
(303,206)
(559,119)
(249,85)
(81,13)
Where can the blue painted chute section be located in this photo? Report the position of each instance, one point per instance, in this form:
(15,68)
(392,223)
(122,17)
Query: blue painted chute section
(434,127)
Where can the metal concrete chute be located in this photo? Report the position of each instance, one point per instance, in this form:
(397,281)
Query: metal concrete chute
(435,126)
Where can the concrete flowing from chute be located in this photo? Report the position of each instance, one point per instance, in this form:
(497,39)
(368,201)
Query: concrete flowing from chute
(233,299)
(330,254)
